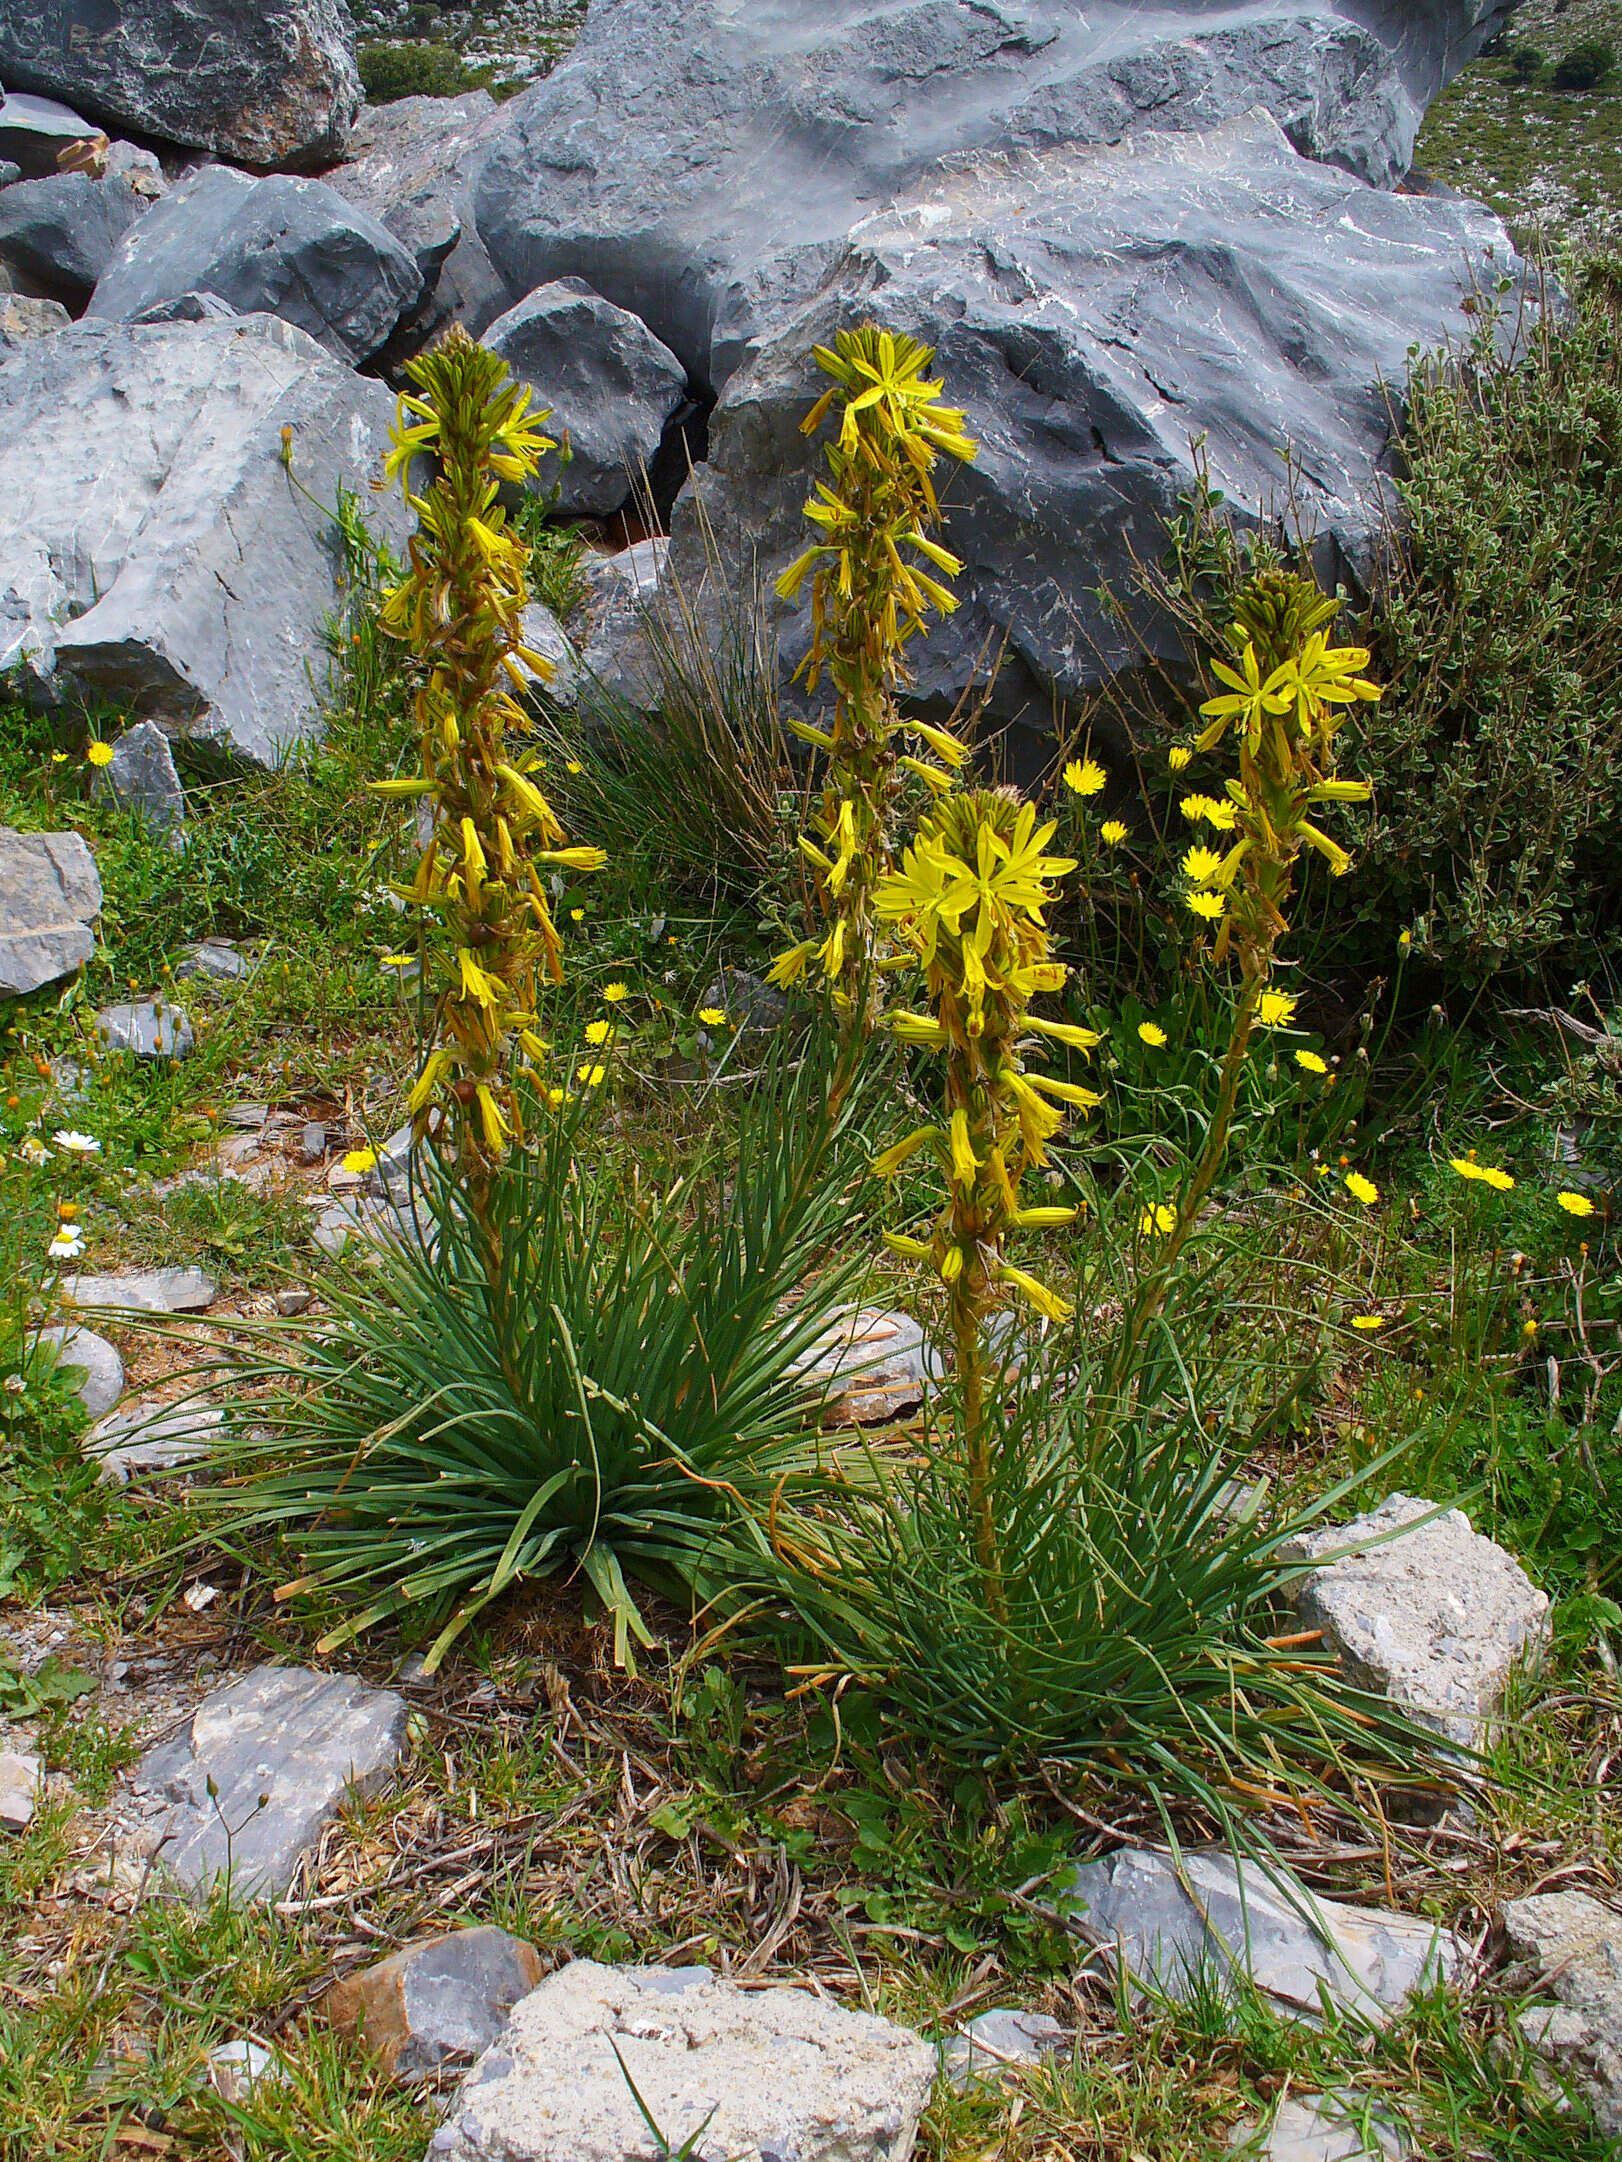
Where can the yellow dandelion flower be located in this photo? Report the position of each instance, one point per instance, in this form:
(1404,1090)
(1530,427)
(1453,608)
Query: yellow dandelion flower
(1084,777)
(1368,1323)
(712,1017)
(1208,905)
(1310,1062)
(399,960)
(1151,1033)
(577,915)
(1201,866)
(1464,1166)
(1575,1204)
(614,994)
(591,1077)
(1112,832)
(100,754)
(1156,1222)
(1362,1189)
(1499,1181)
(360,1160)
(598,1032)
(1179,757)
(1277,1009)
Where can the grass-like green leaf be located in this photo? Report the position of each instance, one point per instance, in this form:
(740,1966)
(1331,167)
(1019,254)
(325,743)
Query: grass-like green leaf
(621,1386)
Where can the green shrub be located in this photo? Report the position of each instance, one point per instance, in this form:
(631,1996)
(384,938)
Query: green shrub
(1496,755)
(1526,63)
(1588,64)
(426,69)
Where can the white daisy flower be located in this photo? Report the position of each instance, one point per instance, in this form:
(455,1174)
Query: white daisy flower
(76,1144)
(67,1245)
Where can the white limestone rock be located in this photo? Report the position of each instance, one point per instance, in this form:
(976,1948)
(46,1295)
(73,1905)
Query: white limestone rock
(775,2075)
(1435,1618)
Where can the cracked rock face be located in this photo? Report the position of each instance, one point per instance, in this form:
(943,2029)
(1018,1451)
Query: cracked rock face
(773,2075)
(685,144)
(410,163)
(157,550)
(1095,312)
(272,84)
(1435,1618)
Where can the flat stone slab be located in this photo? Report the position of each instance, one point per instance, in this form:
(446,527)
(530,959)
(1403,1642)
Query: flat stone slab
(775,2075)
(20,1775)
(152,1437)
(1321,2128)
(1000,2041)
(146,1028)
(216,959)
(872,1363)
(97,1363)
(261,1767)
(437,2001)
(1436,1618)
(1228,1919)
(50,896)
(145,1291)
(1570,1948)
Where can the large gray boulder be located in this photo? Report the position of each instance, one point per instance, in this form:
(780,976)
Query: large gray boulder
(410,165)
(686,144)
(272,84)
(292,248)
(773,2075)
(155,546)
(603,376)
(50,897)
(57,236)
(1098,313)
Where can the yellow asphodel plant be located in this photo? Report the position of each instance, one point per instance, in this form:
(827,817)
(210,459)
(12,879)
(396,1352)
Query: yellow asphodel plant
(876,573)
(1286,693)
(968,904)
(465,427)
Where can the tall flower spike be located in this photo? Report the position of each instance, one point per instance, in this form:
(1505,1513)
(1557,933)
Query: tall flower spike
(463,428)
(877,575)
(1286,693)
(969,903)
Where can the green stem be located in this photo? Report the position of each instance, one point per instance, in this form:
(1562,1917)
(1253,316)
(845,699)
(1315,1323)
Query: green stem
(967,1343)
